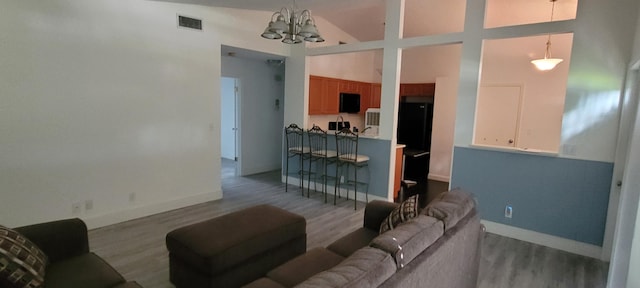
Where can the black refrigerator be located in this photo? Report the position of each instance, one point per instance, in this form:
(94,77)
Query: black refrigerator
(415,121)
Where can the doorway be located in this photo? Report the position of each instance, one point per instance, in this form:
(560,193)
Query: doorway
(229,126)
(258,86)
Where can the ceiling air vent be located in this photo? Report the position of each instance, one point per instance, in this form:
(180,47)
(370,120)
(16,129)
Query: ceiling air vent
(188,22)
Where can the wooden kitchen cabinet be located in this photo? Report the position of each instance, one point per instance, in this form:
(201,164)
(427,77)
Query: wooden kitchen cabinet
(417,89)
(316,93)
(376,95)
(324,95)
(365,96)
(398,171)
(347,86)
(331,104)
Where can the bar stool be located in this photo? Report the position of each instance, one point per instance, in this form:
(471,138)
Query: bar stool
(320,155)
(347,148)
(295,148)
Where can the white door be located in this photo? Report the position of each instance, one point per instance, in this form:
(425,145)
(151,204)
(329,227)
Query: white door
(497,115)
(228,123)
(624,199)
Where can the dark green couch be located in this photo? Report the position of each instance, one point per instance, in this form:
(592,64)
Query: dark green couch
(71,265)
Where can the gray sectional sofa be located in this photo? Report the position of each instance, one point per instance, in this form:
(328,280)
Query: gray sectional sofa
(438,248)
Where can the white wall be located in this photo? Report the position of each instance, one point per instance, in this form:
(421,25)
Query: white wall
(426,63)
(101,100)
(602,46)
(357,66)
(355,120)
(260,120)
(444,118)
(636,47)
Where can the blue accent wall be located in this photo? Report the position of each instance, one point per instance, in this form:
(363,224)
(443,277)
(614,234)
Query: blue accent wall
(378,151)
(563,197)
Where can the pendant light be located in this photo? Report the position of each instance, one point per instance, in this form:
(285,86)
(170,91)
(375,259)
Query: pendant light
(548,63)
(292,26)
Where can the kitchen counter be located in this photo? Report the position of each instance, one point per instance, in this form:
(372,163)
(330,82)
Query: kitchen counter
(360,135)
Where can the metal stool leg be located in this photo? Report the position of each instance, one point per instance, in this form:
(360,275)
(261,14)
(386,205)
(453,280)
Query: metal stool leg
(301,172)
(355,186)
(324,179)
(309,177)
(286,175)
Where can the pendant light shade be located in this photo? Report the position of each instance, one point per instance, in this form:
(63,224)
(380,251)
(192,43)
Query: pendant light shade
(309,30)
(547,63)
(270,34)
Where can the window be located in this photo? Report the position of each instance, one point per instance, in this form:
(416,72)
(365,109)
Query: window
(519,106)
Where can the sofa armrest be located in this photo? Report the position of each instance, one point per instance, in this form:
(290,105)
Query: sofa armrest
(60,239)
(375,212)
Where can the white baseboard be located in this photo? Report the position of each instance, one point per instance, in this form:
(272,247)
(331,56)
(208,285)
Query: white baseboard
(133,212)
(361,196)
(437,177)
(547,240)
(258,169)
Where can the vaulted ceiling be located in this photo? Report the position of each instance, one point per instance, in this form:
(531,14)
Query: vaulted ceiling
(364,19)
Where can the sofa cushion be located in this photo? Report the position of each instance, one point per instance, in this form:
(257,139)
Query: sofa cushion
(450,207)
(376,211)
(22,263)
(263,282)
(353,241)
(132,284)
(87,270)
(304,266)
(404,212)
(410,239)
(367,267)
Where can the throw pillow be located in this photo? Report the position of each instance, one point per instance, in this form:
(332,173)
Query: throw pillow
(22,263)
(406,210)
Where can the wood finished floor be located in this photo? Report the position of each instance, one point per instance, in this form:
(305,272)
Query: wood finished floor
(137,249)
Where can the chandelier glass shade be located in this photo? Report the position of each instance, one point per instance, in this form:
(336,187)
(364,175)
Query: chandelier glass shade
(547,63)
(292,27)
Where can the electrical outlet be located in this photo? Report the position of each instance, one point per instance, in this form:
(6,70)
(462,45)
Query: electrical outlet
(76,208)
(88,205)
(508,211)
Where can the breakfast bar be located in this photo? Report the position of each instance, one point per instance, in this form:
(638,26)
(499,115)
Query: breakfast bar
(378,151)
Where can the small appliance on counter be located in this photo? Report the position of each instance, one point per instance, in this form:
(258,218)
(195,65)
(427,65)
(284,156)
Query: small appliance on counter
(372,122)
(336,126)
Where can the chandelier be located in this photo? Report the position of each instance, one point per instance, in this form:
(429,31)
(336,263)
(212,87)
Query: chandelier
(292,25)
(548,63)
